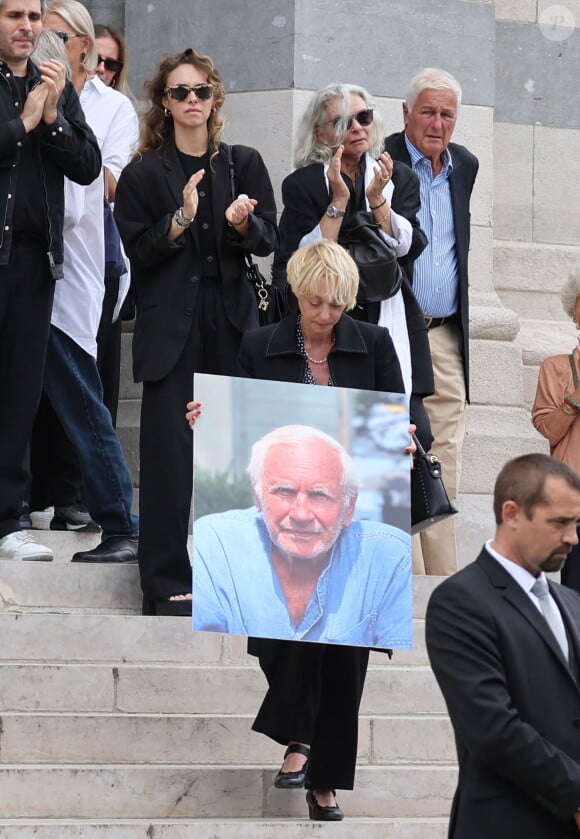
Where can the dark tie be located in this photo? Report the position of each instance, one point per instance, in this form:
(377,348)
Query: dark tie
(551,613)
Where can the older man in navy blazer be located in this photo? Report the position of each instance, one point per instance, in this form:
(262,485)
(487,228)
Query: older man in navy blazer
(446,172)
(504,644)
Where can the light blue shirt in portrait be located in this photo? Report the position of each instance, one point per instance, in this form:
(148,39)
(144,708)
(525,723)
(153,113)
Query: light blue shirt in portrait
(363,597)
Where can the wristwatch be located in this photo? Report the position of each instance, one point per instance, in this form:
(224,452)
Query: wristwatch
(334,212)
(181,220)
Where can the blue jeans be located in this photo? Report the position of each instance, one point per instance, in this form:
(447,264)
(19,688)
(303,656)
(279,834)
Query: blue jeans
(72,383)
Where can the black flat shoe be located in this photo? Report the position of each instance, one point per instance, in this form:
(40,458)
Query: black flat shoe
(173,608)
(293,780)
(319,813)
(119,549)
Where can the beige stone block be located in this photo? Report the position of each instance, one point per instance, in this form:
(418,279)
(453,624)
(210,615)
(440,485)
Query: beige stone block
(556,186)
(475,130)
(480,262)
(535,305)
(493,436)
(539,339)
(513,179)
(530,377)
(523,10)
(527,267)
(78,791)
(495,372)
(396,689)
(301,828)
(475,525)
(110,638)
(572,6)
(490,321)
(51,688)
(420,740)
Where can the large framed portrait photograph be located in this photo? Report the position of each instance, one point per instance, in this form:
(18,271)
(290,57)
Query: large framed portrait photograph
(301,509)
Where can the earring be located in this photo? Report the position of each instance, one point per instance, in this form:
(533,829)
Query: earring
(167,112)
(83,56)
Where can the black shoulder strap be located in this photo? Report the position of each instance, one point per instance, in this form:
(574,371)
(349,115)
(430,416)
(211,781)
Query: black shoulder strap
(231,170)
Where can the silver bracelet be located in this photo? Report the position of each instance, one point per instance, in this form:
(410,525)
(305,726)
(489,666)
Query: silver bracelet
(181,220)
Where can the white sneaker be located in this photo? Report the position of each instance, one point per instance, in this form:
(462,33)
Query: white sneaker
(41,519)
(21,545)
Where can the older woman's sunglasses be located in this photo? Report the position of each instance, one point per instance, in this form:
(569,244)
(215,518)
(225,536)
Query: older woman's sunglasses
(363,118)
(180,92)
(111,64)
(64,36)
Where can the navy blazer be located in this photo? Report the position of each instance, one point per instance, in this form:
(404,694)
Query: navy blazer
(167,274)
(461,181)
(514,703)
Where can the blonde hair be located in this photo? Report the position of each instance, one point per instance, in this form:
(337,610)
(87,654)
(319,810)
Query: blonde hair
(324,268)
(80,21)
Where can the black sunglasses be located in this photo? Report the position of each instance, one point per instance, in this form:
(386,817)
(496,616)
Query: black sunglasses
(180,92)
(363,118)
(111,64)
(64,36)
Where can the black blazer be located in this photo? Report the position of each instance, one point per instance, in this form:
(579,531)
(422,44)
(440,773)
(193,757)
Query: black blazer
(514,703)
(363,355)
(461,181)
(167,274)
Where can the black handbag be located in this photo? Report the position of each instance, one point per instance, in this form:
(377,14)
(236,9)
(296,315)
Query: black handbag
(429,500)
(268,298)
(380,273)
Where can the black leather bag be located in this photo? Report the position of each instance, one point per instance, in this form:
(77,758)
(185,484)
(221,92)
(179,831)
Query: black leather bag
(429,500)
(268,297)
(380,273)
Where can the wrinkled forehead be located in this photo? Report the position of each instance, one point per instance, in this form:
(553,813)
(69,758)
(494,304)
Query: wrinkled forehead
(314,461)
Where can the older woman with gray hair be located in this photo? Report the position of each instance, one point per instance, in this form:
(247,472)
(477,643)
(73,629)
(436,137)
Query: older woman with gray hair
(556,409)
(340,171)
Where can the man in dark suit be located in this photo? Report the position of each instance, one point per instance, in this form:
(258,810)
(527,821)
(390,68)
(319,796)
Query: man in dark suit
(446,173)
(504,644)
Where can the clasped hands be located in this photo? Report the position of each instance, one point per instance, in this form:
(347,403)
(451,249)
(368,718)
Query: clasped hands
(41,103)
(374,193)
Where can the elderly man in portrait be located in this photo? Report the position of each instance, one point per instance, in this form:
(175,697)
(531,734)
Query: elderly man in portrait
(297,566)
(439,277)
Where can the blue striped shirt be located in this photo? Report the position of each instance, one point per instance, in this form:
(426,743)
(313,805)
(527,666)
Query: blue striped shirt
(435,272)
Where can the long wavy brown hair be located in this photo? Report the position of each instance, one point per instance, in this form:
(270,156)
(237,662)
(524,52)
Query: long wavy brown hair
(156,128)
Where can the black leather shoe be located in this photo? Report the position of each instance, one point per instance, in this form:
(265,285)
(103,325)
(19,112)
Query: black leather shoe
(111,549)
(322,814)
(293,780)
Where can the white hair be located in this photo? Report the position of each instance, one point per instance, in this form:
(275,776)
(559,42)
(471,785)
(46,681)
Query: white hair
(570,291)
(50,47)
(308,147)
(299,434)
(432,78)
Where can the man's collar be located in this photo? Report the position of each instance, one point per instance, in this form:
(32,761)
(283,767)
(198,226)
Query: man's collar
(417,155)
(31,70)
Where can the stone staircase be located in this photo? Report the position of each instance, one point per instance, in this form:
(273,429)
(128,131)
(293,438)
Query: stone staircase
(117,726)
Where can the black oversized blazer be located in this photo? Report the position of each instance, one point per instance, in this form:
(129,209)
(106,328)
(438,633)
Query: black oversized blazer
(167,274)
(461,181)
(363,355)
(514,703)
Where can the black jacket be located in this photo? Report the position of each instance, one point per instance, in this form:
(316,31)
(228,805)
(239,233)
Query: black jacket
(67,148)
(363,355)
(461,181)
(167,274)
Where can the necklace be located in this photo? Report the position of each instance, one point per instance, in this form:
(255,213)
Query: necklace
(317,360)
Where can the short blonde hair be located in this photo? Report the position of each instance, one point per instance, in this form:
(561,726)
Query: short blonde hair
(570,291)
(80,21)
(324,268)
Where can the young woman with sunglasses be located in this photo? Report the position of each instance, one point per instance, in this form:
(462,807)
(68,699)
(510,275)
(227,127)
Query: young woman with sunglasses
(186,236)
(341,170)
(112,58)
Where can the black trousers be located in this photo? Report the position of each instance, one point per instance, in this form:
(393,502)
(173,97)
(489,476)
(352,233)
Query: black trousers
(26,294)
(314,694)
(166,448)
(109,347)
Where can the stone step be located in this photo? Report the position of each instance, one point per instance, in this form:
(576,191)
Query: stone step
(127,638)
(351,828)
(102,589)
(203,738)
(165,689)
(239,791)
